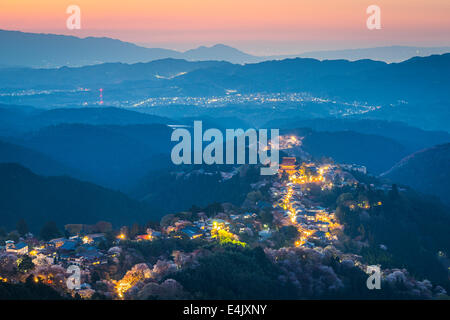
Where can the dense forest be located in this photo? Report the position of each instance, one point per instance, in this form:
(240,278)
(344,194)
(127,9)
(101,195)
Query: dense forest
(413,227)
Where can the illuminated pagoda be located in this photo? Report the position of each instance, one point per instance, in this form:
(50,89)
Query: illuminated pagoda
(288,165)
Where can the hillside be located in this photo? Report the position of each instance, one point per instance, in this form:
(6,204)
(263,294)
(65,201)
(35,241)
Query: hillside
(427,171)
(375,152)
(64,200)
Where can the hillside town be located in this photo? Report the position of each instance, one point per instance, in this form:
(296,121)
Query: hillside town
(279,214)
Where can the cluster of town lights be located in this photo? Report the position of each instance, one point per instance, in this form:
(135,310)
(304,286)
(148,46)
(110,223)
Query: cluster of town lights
(301,177)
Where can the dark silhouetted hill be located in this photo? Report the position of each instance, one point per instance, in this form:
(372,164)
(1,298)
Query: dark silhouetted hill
(375,152)
(427,171)
(36,161)
(64,200)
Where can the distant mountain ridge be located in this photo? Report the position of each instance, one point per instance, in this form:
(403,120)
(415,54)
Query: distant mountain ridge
(51,50)
(414,91)
(387,54)
(101,74)
(417,79)
(21,49)
(15,121)
(220,52)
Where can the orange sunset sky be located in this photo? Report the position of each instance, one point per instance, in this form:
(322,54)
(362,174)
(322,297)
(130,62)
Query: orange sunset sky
(259,27)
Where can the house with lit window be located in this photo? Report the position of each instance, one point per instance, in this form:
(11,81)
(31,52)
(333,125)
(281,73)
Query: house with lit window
(310,215)
(144,237)
(94,238)
(319,235)
(191,232)
(19,249)
(56,243)
(153,233)
(68,246)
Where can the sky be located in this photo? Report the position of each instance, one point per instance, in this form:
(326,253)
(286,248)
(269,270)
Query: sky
(260,27)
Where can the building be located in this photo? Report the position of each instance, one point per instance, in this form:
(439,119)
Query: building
(287,165)
(319,235)
(153,233)
(68,246)
(354,167)
(144,237)
(89,254)
(20,248)
(192,232)
(94,238)
(310,215)
(56,243)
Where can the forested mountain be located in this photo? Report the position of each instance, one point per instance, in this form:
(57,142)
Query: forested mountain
(415,80)
(413,91)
